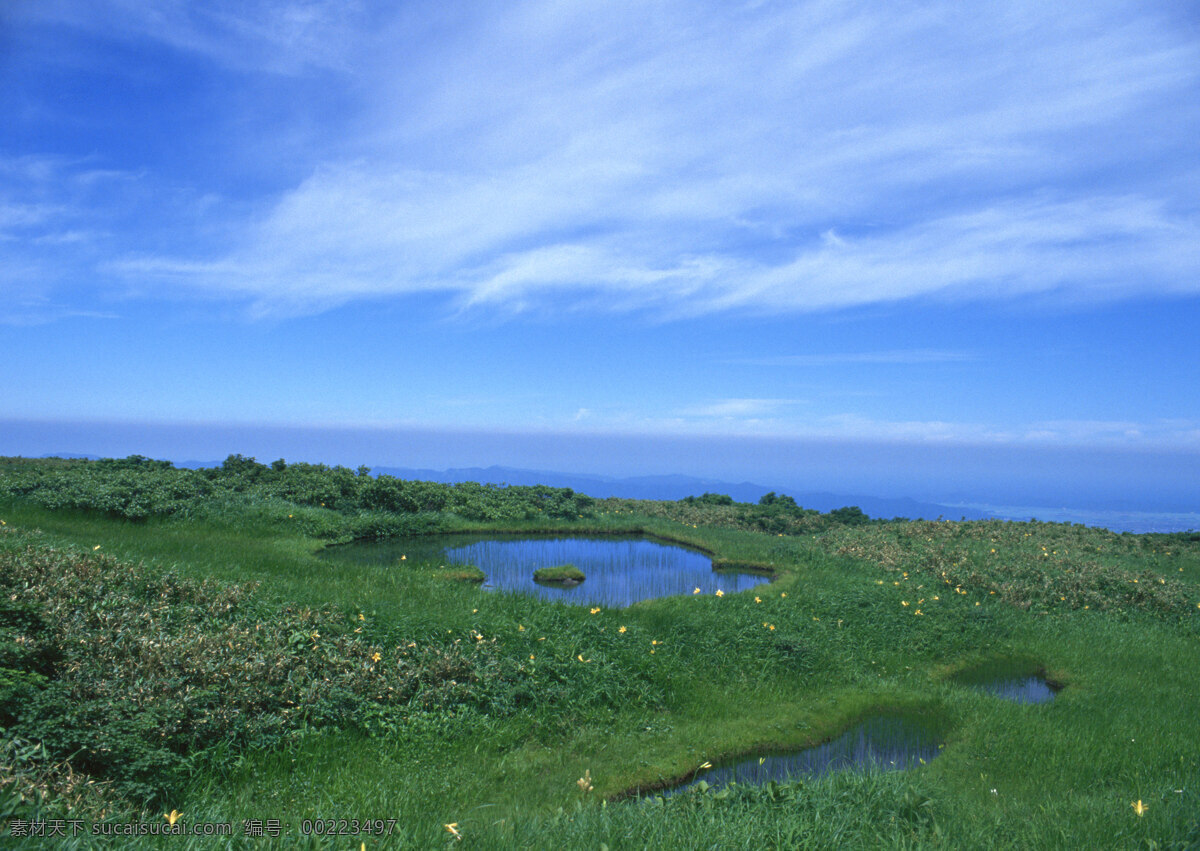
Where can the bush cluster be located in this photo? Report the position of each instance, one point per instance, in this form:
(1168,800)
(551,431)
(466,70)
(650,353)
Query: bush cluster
(773,514)
(1030,565)
(126,675)
(137,488)
(128,672)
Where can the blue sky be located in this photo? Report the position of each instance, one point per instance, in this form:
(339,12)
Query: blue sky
(967,227)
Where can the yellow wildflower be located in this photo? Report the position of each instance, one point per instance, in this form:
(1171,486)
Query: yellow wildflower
(1139,807)
(585,782)
(783,594)
(596,610)
(720,593)
(361,616)
(453,828)
(172,817)
(621,630)
(695,590)
(758,599)
(375,657)
(520,628)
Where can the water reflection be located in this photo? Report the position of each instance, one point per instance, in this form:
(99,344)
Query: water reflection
(618,571)
(1021,690)
(1015,680)
(884,743)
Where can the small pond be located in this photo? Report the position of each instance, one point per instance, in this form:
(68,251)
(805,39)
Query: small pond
(1018,681)
(883,743)
(618,571)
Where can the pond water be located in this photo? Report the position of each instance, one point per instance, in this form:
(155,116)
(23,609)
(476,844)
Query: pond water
(884,743)
(618,571)
(1022,690)
(1021,682)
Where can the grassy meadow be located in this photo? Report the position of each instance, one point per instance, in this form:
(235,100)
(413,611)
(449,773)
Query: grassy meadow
(187,641)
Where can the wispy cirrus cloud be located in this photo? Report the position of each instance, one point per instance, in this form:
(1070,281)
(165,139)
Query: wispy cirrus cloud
(749,159)
(740,408)
(278,36)
(892,356)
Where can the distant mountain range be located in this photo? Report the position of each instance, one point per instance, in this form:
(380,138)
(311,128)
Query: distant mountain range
(673,487)
(669,487)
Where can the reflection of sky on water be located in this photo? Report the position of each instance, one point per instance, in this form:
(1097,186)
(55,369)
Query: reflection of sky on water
(887,744)
(619,572)
(1021,690)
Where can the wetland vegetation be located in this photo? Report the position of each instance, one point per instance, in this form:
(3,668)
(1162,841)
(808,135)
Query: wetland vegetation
(189,641)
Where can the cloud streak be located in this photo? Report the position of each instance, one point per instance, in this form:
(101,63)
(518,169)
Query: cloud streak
(687,161)
(893,356)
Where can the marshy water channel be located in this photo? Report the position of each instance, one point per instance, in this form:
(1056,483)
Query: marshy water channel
(619,571)
(882,743)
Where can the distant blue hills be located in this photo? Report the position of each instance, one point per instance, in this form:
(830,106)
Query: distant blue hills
(667,487)
(673,487)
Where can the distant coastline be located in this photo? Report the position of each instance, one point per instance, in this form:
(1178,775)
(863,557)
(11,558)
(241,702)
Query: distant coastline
(1138,522)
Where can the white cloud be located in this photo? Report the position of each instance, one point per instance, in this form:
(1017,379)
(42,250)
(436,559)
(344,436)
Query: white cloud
(891,356)
(691,160)
(279,36)
(739,408)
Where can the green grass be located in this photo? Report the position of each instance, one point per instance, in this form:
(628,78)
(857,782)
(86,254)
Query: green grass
(559,573)
(641,696)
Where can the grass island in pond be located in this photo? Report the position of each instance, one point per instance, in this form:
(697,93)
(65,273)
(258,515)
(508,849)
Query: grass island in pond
(561,574)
